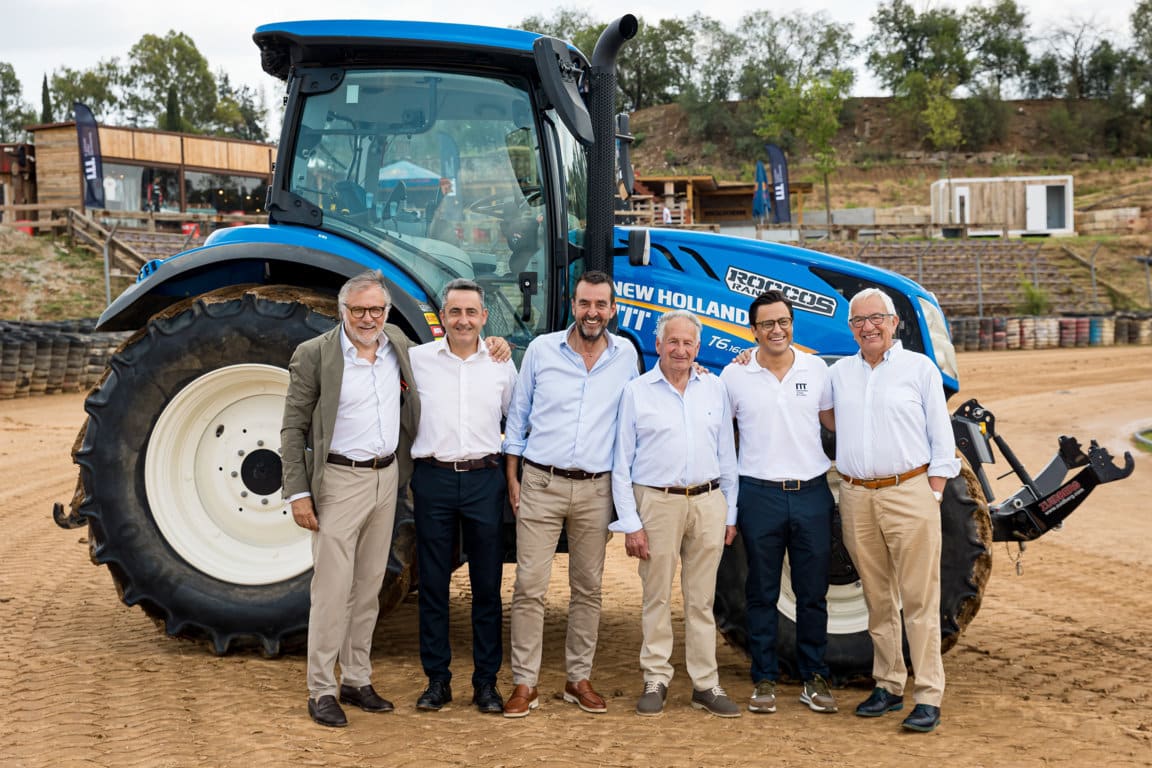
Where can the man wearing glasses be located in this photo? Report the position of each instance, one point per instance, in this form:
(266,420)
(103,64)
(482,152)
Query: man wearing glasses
(895,451)
(779,399)
(349,420)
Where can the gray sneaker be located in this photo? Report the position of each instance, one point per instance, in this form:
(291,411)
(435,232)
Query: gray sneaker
(817,696)
(651,702)
(763,697)
(715,701)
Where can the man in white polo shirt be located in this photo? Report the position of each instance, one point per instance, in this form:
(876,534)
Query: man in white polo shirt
(458,485)
(779,400)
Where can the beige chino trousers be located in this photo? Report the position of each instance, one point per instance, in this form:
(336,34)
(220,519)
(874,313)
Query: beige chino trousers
(689,530)
(547,503)
(356,509)
(893,537)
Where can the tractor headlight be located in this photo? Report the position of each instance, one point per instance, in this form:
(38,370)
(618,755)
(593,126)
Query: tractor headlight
(942,347)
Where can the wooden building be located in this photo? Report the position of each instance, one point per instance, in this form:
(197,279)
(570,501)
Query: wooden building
(704,200)
(1006,206)
(149,170)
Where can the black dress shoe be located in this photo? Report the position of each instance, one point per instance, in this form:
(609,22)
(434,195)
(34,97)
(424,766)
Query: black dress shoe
(327,712)
(880,703)
(364,697)
(487,699)
(435,696)
(924,718)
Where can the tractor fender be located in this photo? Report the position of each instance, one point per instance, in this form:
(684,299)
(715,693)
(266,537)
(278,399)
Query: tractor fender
(263,255)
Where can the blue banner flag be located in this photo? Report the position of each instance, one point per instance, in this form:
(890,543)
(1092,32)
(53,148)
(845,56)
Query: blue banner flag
(88,135)
(781,208)
(762,196)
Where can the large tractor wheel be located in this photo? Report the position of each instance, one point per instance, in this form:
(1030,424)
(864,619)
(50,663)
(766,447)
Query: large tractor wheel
(965,564)
(180,470)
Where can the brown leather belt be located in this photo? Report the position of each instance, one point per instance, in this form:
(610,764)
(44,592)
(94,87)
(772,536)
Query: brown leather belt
(885,482)
(692,490)
(379,462)
(491,461)
(571,474)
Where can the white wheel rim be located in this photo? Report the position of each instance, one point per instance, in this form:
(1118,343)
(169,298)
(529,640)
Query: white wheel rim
(198,483)
(847,613)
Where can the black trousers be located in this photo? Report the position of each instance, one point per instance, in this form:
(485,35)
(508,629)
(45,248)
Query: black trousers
(469,506)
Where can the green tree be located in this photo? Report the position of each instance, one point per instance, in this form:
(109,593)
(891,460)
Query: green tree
(942,121)
(718,54)
(904,42)
(575,25)
(795,46)
(15,113)
(172,120)
(806,116)
(45,102)
(1043,80)
(159,63)
(97,87)
(240,112)
(998,37)
(657,64)
(1141,31)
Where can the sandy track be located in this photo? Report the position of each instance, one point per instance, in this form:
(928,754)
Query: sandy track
(1055,670)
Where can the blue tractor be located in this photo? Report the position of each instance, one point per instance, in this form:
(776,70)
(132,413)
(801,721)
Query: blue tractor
(430,152)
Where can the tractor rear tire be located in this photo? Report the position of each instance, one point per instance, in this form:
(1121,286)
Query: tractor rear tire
(965,565)
(180,471)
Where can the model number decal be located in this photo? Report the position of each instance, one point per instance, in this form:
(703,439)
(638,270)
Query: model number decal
(752,284)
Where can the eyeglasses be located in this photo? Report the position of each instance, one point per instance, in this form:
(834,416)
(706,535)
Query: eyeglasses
(875,319)
(374,312)
(767,325)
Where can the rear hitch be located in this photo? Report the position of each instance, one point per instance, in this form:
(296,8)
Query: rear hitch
(1046,500)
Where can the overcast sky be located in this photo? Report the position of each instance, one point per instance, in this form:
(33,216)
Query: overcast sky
(46,34)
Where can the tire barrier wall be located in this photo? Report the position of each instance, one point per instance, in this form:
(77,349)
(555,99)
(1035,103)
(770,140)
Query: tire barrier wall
(971,334)
(47,358)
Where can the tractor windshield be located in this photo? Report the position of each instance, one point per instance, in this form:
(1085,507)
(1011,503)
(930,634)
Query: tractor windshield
(441,172)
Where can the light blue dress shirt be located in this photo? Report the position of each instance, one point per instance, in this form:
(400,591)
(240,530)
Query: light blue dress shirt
(665,439)
(892,418)
(563,414)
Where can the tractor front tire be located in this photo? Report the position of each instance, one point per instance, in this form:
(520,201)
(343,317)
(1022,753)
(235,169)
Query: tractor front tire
(180,472)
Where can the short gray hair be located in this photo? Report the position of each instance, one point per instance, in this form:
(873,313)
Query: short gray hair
(677,314)
(868,293)
(372,278)
(461,284)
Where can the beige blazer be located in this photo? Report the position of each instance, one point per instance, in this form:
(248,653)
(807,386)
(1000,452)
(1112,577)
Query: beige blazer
(315,375)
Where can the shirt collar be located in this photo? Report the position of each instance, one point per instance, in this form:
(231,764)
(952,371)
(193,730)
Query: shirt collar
(799,362)
(442,348)
(658,375)
(611,340)
(896,344)
(349,349)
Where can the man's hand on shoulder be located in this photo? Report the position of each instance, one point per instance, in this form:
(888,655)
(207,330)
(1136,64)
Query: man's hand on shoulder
(744,357)
(498,348)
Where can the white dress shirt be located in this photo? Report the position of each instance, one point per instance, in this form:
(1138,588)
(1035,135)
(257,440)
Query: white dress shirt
(779,419)
(892,418)
(668,439)
(368,414)
(462,401)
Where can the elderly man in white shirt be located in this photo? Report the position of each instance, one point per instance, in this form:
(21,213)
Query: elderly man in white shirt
(895,451)
(458,484)
(674,486)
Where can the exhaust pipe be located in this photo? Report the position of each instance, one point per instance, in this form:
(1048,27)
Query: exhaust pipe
(602,154)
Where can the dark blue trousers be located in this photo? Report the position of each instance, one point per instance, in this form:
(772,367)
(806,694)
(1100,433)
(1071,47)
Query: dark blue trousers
(466,508)
(773,521)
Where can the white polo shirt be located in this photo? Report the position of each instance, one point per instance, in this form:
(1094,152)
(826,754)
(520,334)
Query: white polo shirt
(461,401)
(779,421)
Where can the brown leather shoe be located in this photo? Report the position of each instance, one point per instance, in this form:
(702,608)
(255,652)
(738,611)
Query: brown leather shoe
(581,694)
(522,701)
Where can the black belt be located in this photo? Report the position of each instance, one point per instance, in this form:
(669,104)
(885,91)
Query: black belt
(692,490)
(379,462)
(571,474)
(491,461)
(785,485)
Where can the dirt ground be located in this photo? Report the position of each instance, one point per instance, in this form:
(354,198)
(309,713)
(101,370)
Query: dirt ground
(1055,670)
